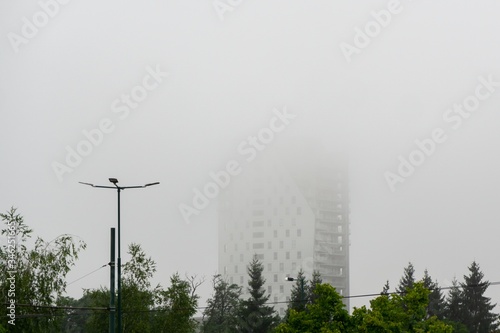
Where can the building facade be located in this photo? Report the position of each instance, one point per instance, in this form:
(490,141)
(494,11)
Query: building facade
(292,211)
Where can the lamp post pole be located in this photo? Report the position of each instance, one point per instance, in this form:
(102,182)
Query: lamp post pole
(302,296)
(119,259)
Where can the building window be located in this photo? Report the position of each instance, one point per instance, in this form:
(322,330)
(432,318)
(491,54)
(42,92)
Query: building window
(294,266)
(294,244)
(275,256)
(259,234)
(299,255)
(231,258)
(236,269)
(257,224)
(287,211)
(260,256)
(339,228)
(294,222)
(269,289)
(287,255)
(293,200)
(282,289)
(258,212)
(275,277)
(269,245)
(258,246)
(299,210)
(282,267)
(231,280)
(275,211)
(269,223)
(275,233)
(287,233)
(241,257)
(281,244)
(241,279)
(299,232)
(269,267)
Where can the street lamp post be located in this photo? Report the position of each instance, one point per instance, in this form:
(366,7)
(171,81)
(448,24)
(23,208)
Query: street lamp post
(302,298)
(119,259)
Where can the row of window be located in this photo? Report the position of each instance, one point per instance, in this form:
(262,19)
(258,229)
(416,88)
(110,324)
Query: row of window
(261,257)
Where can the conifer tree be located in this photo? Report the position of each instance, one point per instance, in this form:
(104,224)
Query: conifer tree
(408,279)
(476,311)
(255,316)
(299,294)
(436,298)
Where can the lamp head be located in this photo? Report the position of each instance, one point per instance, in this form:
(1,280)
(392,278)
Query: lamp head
(113,180)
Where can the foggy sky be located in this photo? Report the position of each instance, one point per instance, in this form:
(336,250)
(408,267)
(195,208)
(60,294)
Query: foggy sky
(224,79)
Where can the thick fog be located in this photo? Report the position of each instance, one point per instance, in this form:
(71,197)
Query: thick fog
(169,91)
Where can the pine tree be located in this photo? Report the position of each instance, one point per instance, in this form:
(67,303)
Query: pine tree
(385,288)
(436,298)
(255,316)
(408,279)
(316,280)
(477,315)
(454,307)
(299,294)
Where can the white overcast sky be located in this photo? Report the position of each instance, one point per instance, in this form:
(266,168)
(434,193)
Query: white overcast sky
(224,79)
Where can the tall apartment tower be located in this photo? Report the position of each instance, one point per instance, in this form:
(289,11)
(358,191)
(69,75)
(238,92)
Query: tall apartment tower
(292,211)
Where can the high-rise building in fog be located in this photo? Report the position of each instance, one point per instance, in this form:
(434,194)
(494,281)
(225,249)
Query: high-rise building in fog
(292,211)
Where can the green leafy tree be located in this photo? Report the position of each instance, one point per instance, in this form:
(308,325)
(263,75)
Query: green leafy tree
(453,309)
(177,306)
(220,315)
(436,299)
(138,298)
(326,314)
(406,312)
(476,312)
(254,315)
(38,274)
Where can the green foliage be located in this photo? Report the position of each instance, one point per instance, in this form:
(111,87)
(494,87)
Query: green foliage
(145,309)
(405,312)
(254,315)
(220,315)
(177,306)
(325,314)
(39,274)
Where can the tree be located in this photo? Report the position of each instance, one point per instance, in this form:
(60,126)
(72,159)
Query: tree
(299,295)
(436,298)
(405,312)
(407,280)
(453,309)
(325,314)
(177,306)
(222,309)
(315,281)
(476,311)
(254,315)
(38,275)
(385,288)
